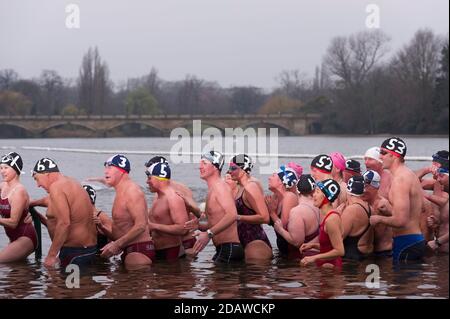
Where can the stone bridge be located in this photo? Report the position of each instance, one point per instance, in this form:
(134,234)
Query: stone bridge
(149,125)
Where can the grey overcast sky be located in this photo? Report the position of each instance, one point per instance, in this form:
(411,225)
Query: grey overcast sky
(233,42)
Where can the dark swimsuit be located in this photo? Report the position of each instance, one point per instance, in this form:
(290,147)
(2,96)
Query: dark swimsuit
(351,242)
(23,229)
(249,232)
(80,256)
(229,252)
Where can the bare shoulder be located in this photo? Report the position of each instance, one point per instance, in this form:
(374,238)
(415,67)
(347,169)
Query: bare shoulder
(290,197)
(20,192)
(134,190)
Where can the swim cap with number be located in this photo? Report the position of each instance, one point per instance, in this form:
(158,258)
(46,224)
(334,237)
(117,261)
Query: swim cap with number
(160,170)
(330,188)
(119,161)
(306,184)
(288,177)
(91,192)
(323,163)
(395,145)
(45,165)
(156,159)
(355,185)
(13,160)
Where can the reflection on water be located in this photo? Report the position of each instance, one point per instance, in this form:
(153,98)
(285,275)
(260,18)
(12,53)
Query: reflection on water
(201,279)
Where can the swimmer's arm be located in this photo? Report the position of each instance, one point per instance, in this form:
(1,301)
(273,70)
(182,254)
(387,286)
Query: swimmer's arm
(226,202)
(289,202)
(256,201)
(97,179)
(105,225)
(443,239)
(137,207)
(179,217)
(41,202)
(420,173)
(400,206)
(61,210)
(438,200)
(295,235)
(18,201)
(427,184)
(333,229)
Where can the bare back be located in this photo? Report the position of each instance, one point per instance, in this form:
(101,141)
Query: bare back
(82,231)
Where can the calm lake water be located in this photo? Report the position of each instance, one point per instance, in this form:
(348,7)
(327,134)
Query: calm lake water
(200,278)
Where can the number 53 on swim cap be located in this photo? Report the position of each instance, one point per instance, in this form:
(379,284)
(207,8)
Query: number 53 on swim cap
(119,161)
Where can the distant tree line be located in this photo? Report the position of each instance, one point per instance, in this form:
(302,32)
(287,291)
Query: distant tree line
(361,88)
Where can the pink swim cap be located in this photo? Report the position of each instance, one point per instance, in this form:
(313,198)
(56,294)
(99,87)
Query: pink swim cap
(298,169)
(338,160)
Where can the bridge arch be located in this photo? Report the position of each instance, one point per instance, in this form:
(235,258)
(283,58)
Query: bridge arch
(74,129)
(8,130)
(205,124)
(137,129)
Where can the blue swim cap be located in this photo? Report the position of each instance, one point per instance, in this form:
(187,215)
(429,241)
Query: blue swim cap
(119,161)
(160,170)
(288,177)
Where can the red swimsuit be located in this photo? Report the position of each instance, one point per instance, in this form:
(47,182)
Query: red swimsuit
(23,229)
(326,246)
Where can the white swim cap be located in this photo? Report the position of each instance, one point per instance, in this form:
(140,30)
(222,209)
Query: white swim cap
(373,152)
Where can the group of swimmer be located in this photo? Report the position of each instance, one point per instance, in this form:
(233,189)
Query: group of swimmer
(336,212)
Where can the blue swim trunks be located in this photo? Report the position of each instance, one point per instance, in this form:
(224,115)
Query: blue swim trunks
(408,248)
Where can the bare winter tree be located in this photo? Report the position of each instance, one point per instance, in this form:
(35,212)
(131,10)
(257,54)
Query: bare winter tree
(93,83)
(52,89)
(7,78)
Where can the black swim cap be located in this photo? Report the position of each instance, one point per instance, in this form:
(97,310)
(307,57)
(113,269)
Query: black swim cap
(45,165)
(396,146)
(91,192)
(323,163)
(355,185)
(306,184)
(13,160)
(330,188)
(156,159)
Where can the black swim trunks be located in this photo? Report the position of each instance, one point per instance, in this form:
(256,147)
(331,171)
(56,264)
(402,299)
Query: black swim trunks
(229,252)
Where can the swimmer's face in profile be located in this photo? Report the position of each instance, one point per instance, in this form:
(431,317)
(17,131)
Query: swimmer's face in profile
(152,183)
(7,172)
(229,180)
(42,181)
(318,197)
(274,181)
(235,171)
(372,164)
(206,169)
(112,175)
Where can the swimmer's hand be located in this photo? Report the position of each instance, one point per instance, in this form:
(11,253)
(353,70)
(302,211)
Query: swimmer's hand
(28,219)
(192,223)
(278,226)
(308,260)
(384,207)
(375,220)
(109,250)
(308,246)
(432,222)
(51,262)
(272,204)
(432,244)
(190,204)
(202,241)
